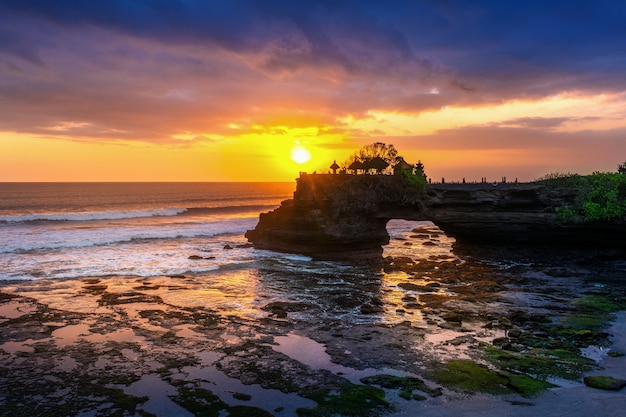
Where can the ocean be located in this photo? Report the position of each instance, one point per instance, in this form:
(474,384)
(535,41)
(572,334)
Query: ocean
(79,230)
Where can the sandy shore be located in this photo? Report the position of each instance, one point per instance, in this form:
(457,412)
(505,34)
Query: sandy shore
(183,346)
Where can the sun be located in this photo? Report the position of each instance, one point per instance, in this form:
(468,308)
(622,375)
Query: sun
(300,154)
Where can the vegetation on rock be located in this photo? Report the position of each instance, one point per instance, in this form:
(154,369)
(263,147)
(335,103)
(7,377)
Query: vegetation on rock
(406,386)
(605,382)
(465,375)
(601,196)
(351,400)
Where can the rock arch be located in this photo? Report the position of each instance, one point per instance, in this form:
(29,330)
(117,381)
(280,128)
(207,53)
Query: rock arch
(345,216)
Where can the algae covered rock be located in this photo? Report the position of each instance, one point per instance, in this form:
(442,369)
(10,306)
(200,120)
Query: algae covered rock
(605,382)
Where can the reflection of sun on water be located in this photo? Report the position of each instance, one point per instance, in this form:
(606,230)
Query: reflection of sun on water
(414,242)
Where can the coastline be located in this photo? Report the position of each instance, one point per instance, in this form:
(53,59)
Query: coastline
(143,342)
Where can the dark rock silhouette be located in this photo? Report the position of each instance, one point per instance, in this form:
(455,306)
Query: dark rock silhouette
(345,216)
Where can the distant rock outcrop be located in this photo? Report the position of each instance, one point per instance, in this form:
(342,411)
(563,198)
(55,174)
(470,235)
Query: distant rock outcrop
(345,216)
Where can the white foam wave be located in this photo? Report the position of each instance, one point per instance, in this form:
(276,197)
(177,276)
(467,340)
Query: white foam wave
(91,215)
(36,239)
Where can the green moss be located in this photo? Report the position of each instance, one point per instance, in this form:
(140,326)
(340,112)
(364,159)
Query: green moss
(605,382)
(566,214)
(351,400)
(593,313)
(600,303)
(600,197)
(406,385)
(528,386)
(541,363)
(465,375)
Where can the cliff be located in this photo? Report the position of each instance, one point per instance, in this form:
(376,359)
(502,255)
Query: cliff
(345,216)
(335,216)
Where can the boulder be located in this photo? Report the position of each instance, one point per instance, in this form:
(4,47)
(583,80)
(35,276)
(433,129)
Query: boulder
(605,382)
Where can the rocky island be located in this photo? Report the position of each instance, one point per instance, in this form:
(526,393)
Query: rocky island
(335,216)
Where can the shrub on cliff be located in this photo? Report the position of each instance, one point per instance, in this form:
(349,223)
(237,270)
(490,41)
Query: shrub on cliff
(415,180)
(606,198)
(600,196)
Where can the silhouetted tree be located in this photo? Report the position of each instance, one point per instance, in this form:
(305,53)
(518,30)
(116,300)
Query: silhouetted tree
(621,168)
(368,153)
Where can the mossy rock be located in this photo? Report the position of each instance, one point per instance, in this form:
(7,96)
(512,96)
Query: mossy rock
(405,384)
(601,303)
(241,396)
(528,386)
(351,400)
(541,363)
(605,383)
(465,375)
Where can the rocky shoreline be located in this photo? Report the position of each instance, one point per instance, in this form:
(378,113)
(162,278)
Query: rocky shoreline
(430,336)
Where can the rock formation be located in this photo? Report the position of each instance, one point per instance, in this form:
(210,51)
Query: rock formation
(335,216)
(345,216)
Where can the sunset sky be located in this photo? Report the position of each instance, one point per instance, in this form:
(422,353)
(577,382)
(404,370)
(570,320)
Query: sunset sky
(194,90)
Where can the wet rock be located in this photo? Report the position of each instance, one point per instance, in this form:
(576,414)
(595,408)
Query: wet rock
(539,318)
(227,247)
(501,341)
(241,396)
(514,333)
(128,298)
(518,317)
(461,340)
(405,385)
(197,257)
(452,317)
(403,261)
(245,246)
(374,306)
(605,383)
(371,309)
(408,286)
(281,308)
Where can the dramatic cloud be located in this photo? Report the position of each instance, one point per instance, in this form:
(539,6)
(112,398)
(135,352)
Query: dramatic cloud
(183,72)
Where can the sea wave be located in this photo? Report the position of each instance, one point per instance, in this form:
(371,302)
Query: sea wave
(90,215)
(229,209)
(130,214)
(80,238)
